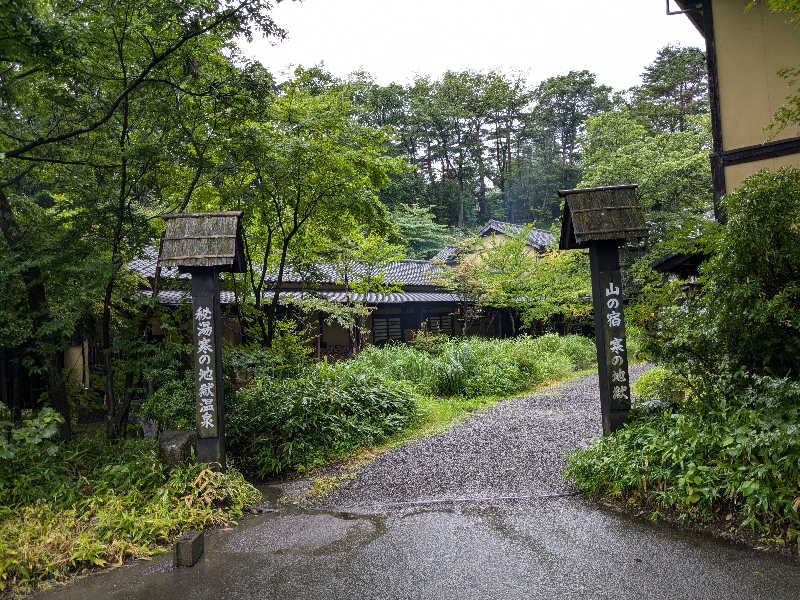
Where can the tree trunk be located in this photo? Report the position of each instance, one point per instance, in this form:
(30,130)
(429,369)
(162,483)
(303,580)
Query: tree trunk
(272,312)
(460,199)
(4,379)
(482,204)
(57,393)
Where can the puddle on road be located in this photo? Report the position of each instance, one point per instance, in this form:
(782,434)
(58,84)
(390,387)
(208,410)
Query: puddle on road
(271,492)
(364,530)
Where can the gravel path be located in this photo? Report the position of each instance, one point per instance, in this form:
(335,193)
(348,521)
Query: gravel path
(515,449)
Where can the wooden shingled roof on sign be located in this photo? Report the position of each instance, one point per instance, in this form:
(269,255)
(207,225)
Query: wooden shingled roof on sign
(603,213)
(194,240)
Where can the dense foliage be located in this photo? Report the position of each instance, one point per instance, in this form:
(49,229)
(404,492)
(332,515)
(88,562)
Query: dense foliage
(323,413)
(87,503)
(284,420)
(535,291)
(754,279)
(721,444)
(730,453)
(477,366)
(116,114)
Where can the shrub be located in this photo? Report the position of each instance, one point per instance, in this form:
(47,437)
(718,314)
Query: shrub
(426,341)
(288,355)
(453,367)
(543,358)
(25,441)
(399,362)
(745,312)
(79,468)
(580,350)
(172,405)
(281,425)
(754,287)
(478,366)
(660,385)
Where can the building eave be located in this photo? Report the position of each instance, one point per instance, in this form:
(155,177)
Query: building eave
(694,10)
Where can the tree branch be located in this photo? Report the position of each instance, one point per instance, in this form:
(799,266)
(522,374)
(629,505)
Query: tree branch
(129,88)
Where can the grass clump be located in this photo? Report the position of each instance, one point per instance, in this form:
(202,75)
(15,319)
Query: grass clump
(478,366)
(660,386)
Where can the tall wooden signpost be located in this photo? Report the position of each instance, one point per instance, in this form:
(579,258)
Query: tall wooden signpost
(206,244)
(603,219)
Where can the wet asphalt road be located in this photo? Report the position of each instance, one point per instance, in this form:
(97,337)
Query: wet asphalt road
(427,521)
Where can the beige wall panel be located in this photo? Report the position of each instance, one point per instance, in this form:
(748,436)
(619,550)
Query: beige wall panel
(736,174)
(751,48)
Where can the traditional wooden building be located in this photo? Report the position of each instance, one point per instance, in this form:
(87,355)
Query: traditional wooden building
(745,49)
(420,303)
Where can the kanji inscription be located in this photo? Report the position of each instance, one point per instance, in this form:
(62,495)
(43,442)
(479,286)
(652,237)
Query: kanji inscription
(205,361)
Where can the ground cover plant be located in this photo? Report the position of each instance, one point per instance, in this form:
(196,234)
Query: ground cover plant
(732,458)
(65,507)
(325,412)
(478,366)
(721,444)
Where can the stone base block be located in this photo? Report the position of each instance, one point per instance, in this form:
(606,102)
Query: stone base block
(175,447)
(189,548)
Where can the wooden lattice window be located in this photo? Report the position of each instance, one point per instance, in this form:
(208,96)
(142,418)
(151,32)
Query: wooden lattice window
(385,329)
(441,324)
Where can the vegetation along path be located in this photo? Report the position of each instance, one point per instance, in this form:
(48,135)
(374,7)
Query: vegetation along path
(479,511)
(516,450)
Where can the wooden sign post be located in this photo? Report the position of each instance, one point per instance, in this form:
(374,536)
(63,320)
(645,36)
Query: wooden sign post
(206,244)
(602,219)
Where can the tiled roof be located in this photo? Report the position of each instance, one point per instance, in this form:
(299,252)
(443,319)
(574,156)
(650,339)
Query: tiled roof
(146,266)
(445,254)
(406,272)
(538,238)
(175,297)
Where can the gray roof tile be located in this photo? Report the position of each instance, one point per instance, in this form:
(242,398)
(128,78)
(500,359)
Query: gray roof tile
(175,297)
(538,238)
(407,272)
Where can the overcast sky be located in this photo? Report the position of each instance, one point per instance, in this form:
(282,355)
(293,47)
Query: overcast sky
(396,39)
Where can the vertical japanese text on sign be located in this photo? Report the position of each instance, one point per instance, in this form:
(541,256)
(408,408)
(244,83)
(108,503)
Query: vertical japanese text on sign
(204,328)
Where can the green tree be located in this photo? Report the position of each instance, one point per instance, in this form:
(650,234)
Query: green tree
(308,167)
(506,266)
(549,150)
(361,262)
(671,169)
(561,288)
(753,284)
(417,230)
(674,87)
(87,93)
